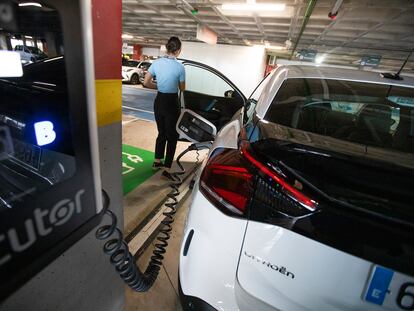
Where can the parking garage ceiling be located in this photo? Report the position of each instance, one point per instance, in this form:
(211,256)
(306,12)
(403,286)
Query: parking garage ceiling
(362,27)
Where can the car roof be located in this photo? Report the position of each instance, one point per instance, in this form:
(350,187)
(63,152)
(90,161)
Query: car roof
(285,72)
(340,73)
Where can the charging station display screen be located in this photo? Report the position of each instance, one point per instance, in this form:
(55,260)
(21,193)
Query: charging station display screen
(49,168)
(36,150)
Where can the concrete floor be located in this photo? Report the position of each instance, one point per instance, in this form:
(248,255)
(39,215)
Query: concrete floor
(138,205)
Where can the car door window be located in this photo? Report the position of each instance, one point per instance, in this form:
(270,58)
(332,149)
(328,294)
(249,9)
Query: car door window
(210,95)
(200,80)
(145,66)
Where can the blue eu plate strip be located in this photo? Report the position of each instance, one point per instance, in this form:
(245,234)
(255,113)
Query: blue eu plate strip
(379,284)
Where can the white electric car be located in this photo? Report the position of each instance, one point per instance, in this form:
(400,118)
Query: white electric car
(131,70)
(30,54)
(305,201)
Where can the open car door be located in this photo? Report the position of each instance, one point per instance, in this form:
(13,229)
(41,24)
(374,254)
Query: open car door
(208,103)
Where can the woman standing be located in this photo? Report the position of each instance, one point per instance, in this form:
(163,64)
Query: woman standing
(170,77)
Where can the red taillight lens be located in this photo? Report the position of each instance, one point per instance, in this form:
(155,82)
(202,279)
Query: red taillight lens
(227,182)
(295,194)
(228,179)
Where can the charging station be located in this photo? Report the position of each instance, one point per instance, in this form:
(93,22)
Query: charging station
(50,192)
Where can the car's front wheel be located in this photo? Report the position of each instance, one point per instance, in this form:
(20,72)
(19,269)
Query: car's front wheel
(134,79)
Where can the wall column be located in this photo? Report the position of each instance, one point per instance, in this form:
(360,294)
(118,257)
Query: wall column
(137,52)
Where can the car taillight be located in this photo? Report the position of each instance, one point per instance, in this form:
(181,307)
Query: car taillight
(229,179)
(287,188)
(227,182)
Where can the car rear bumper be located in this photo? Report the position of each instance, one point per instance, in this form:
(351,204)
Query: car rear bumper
(209,254)
(190,303)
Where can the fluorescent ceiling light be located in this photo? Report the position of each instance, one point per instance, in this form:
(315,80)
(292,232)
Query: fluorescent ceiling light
(253,7)
(275,47)
(319,59)
(125,36)
(271,47)
(30,4)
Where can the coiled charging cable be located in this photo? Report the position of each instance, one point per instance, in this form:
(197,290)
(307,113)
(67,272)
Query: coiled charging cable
(118,250)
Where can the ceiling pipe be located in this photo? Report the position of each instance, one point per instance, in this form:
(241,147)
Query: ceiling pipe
(187,5)
(334,11)
(308,13)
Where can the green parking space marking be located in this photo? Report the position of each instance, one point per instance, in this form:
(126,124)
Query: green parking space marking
(136,167)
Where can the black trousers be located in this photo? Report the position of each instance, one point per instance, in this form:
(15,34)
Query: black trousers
(167,111)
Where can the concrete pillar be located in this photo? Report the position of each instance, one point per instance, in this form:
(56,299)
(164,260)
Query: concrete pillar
(107,31)
(8,42)
(50,38)
(3,42)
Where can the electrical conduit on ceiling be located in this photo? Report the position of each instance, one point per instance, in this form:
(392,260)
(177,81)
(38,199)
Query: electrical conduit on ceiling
(308,13)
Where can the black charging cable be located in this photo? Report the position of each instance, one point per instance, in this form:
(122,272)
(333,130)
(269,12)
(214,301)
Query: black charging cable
(118,250)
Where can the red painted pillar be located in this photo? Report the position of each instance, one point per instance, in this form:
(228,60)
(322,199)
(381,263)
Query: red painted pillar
(137,52)
(107,45)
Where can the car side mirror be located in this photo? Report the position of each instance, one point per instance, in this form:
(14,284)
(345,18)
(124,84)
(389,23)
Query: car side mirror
(248,105)
(229,94)
(195,128)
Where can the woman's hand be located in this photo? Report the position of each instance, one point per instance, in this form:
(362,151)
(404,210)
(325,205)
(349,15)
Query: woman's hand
(148,81)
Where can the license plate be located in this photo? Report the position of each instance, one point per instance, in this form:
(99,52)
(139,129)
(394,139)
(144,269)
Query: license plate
(390,289)
(27,153)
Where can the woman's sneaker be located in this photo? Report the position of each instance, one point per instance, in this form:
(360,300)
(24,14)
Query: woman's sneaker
(157,165)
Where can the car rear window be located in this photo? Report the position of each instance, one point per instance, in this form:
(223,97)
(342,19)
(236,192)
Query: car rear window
(378,115)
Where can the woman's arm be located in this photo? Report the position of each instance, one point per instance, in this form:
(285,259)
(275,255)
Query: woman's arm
(182,86)
(148,82)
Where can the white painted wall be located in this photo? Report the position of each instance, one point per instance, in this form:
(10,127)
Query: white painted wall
(151,51)
(244,66)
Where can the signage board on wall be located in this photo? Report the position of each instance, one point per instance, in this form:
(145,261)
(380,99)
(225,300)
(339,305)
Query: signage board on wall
(206,35)
(127,49)
(307,55)
(370,60)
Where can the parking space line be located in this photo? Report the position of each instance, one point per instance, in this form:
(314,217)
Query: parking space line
(136,109)
(130,121)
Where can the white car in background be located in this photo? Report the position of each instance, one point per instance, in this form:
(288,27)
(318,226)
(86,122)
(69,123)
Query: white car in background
(131,70)
(29,54)
(305,201)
